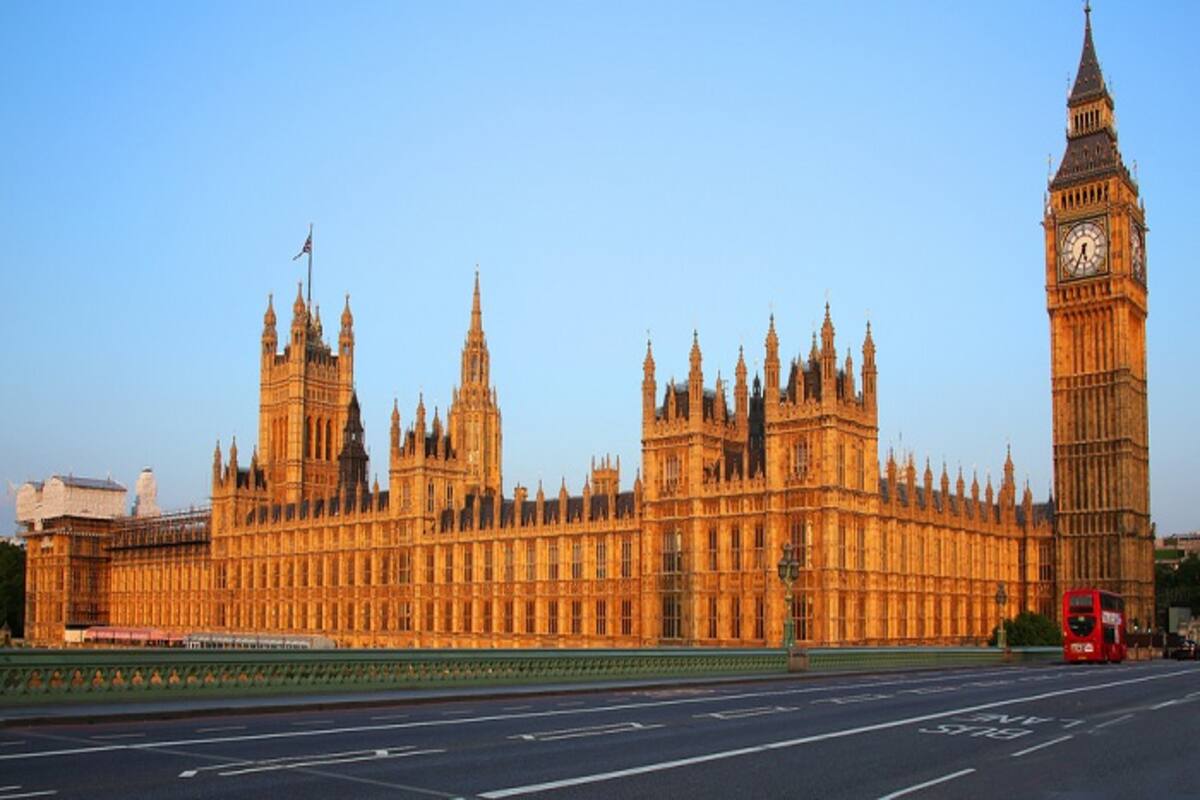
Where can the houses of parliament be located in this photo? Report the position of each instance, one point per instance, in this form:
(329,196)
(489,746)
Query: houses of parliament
(297,541)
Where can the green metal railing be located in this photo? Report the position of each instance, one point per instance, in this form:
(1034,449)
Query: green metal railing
(41,675)
(843,659)
(35,676)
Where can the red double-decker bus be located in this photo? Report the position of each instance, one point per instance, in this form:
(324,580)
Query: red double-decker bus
(1093,626)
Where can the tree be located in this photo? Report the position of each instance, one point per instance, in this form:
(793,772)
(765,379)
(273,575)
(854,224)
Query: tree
(12,587)
(1028,629)
(1177,585)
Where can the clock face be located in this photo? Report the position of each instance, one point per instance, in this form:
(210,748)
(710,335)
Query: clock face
(1137,243)
(1084,250)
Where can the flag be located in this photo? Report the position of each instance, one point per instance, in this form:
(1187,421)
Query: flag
(306,249)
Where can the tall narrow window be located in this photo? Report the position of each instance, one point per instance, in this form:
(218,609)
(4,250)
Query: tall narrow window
(577,560)
(626,558)
(601,618)
(626,617)
(712,549)
(671,623)
(552,562)
(735,548)
(601,560)
(735,617)
(760,546)
(672,552)
(712,618)
(800,458)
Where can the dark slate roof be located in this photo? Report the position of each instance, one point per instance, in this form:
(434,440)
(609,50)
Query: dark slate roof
(599,509)
(1089,83)
(107,484)
(625,504)
(1088,155)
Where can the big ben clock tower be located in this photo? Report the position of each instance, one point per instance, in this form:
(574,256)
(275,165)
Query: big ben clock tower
(1096,296)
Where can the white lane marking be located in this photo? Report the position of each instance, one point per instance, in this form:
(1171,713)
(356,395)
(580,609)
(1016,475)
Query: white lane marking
(1111,722)
(580,733)
(391,716)
(1071,723)
(191,773)
(528,715)
(1028,750)
(918,787)
(570,703)
(742,713)
(118,736)
(45,793)
(314,722)
(373,756)
(12,788)
(854,698)
(1177,701)
(221,729)
(929,690)
(787,743)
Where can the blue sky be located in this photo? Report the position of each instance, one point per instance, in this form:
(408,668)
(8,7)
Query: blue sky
(612,168)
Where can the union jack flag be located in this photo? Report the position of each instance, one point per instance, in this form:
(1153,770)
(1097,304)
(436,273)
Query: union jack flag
(306,249)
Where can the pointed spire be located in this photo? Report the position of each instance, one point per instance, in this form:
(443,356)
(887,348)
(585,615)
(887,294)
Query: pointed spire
(299,310)
(694,358)
(217,463)
(347,317)
(476,308)
(827,334)
(771,364)
(648,361)
(1089,82)
(868,346)
(814,352)
(395,428)
(269,316)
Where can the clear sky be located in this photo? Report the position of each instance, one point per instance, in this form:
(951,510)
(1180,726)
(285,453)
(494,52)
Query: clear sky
(611,167)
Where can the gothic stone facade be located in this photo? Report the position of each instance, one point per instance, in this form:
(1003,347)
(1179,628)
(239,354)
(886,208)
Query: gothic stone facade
(298,542)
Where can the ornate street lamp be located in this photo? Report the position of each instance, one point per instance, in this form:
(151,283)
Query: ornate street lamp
(789,571)
(1001,600)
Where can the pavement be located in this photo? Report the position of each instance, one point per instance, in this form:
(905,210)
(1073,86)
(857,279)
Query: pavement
(1056,731)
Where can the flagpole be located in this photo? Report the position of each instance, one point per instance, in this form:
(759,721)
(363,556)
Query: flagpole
(310,227)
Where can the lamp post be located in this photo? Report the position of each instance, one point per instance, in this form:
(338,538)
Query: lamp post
(1001,599)
(789,571)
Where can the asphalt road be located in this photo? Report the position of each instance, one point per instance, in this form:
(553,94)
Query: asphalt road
(1114,731)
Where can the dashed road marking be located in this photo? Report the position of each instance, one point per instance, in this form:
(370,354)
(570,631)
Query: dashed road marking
(1111,722)
(918,787)
(1041,746)
(582,733)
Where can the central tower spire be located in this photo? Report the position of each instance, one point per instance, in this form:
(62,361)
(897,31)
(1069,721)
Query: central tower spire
(474,417)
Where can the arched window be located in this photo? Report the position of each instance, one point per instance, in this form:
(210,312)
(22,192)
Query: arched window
(308,432)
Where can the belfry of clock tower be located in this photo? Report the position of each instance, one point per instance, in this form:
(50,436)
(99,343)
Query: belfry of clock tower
(1096,298)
